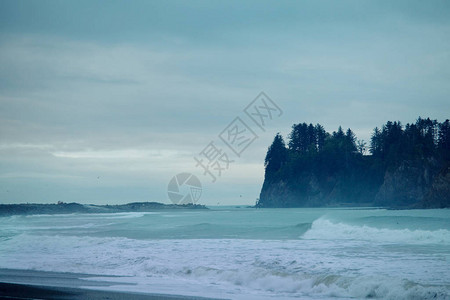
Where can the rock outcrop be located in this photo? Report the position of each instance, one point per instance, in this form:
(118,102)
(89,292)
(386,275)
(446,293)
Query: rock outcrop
(413,184)
(407,185)
(406,167)
(438,195)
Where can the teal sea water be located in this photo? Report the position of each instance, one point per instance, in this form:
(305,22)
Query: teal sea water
(244,253)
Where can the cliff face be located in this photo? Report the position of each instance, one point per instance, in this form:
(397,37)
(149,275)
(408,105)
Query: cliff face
(303,191)
(407,185)
(439,194)
(413,184)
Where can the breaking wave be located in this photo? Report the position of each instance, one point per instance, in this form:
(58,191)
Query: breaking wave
(324,229)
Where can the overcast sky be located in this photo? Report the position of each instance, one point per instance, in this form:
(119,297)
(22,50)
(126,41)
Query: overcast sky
(105,101)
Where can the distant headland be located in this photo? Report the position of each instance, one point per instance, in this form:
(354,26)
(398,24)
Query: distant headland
(402,167)
(70,208)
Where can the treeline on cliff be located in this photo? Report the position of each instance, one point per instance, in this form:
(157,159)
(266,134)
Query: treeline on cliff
(401,166)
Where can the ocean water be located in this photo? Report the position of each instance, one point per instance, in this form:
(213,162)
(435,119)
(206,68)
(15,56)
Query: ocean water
(243,253)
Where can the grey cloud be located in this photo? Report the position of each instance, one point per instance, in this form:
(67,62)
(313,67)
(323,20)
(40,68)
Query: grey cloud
(83,93)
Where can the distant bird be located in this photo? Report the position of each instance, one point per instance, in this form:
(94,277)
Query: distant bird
(240,196)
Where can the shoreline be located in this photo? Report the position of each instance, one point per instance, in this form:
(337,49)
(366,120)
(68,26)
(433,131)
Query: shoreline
(27,291)
(30,284)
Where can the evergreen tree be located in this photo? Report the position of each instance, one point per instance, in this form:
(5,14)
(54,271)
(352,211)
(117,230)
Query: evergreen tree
(312,138)
(350,141)
(321,136)
(339,134)
(303,138)
(276,155)
(444,140)
(375,142)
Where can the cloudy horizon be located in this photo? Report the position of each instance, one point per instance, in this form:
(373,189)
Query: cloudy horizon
(105,101)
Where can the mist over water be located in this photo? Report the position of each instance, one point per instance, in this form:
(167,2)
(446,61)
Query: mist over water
(242,253)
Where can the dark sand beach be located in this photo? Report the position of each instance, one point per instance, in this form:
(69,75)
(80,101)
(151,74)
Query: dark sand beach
(24,284)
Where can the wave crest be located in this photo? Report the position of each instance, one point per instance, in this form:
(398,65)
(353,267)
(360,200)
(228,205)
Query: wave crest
(324,229)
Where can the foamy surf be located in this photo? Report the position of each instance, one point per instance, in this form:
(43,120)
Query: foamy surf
(249,254)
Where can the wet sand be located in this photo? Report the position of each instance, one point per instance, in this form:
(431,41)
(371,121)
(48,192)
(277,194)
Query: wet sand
(23,284)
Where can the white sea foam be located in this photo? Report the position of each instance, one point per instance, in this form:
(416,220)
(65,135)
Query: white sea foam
(241,268)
